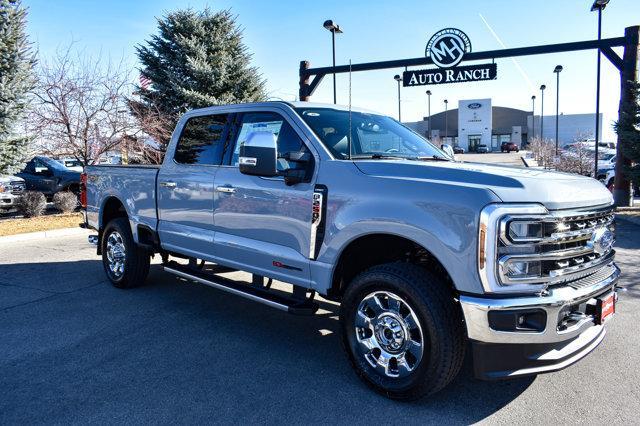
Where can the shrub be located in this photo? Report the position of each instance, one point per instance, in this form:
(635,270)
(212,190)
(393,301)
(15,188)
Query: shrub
(32,203)
(65,201)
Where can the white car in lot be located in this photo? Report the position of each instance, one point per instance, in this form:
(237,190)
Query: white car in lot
(11,188)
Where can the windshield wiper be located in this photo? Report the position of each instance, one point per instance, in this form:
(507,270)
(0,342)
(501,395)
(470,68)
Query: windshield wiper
(432,158)
(377,157)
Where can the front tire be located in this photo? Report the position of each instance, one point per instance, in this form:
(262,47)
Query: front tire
(402,331)
(125,263)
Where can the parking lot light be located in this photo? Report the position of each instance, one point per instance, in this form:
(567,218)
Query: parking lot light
(398,79)
(542,87)
(557,70)
(334,28)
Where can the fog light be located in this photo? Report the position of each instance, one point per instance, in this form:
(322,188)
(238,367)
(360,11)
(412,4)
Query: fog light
(517,269)
(518,320)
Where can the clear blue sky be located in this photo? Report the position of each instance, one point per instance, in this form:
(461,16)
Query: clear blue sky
(281,33)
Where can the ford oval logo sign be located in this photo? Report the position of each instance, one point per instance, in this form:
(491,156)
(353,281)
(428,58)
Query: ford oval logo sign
(474,105)
(601,241)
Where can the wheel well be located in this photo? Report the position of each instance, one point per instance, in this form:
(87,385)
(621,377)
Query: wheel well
(112,208)
(376,249)
(74,187)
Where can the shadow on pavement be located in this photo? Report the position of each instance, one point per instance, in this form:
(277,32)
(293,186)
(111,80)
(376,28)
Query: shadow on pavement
(177,351)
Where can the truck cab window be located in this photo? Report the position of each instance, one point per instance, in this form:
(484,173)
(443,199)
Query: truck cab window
(286,138)
(202,140)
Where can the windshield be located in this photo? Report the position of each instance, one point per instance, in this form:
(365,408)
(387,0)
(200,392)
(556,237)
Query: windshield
(371,135)
(72,163)
(606,157)
(53,164)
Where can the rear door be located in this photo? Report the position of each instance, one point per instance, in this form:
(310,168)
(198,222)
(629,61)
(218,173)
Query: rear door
(186,186)
(262,225)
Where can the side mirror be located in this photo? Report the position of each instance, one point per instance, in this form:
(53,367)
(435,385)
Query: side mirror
(258,155)
(296,175)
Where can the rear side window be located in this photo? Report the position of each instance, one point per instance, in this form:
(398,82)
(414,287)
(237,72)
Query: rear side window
(202,140)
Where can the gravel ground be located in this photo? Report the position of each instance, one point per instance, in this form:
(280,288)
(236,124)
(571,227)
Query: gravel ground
(73,349)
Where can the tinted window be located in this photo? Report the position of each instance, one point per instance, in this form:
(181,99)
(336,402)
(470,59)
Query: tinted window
(202,140)
(286,138)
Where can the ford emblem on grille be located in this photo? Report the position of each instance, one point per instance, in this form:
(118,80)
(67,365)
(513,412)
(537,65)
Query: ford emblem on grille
(601,241)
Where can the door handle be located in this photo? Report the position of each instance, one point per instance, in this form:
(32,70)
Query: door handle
(226,189)
(168,184)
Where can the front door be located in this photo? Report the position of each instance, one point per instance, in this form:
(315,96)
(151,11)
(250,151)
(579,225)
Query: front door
(474,141)
(262,225)
(185,187)
(38,177)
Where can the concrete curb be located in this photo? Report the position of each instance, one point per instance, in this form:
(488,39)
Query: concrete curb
(54,233)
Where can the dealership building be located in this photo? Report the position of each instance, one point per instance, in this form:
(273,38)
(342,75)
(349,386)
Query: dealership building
(477,121)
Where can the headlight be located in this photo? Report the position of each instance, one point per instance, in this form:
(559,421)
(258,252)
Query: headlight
(525,231)
(510,223)
(4,188)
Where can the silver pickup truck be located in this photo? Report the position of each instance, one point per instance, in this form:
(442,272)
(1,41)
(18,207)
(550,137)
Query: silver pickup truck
(428,257)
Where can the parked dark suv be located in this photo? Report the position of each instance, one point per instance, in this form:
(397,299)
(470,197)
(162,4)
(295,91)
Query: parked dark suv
(508,147)
(48,176)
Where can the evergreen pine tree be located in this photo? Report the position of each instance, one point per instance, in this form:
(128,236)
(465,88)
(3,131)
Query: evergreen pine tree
(198,59)
(628,129)
(16,79)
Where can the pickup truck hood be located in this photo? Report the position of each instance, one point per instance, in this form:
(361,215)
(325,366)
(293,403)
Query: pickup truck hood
(9,178)
(511,184)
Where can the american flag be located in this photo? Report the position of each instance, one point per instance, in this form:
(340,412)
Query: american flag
(145,82)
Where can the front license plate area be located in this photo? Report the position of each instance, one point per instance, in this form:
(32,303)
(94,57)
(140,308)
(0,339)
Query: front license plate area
(605,307)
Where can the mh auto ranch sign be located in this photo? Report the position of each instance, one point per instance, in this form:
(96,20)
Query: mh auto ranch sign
(447,49)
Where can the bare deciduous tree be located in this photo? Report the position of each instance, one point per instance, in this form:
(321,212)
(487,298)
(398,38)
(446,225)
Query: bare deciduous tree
(80,109)
(158,125)
(579,159)
(543,152)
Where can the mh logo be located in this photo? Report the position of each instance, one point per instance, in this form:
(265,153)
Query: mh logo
(447,47)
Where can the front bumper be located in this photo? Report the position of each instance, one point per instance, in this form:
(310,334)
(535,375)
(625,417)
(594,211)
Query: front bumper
(500,354)
(8,200)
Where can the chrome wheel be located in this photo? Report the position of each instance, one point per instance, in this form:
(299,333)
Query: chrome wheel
(389,335)
(116,254)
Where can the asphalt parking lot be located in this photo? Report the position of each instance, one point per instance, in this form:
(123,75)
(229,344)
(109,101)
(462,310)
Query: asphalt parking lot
(73,349)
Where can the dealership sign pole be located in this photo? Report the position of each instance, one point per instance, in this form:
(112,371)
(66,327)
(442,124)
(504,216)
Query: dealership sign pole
(627,65)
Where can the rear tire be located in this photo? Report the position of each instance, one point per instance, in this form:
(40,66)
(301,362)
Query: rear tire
(125,263)
(402,331)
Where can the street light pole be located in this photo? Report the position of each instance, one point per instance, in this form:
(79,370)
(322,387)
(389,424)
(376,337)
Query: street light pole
(533,116)
(557,70)
(446,117)
(429,113)
(398,79)
(542,111)
(598,5)
(334,28)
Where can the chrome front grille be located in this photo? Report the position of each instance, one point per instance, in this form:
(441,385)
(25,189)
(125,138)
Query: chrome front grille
(17,187)
(564,250)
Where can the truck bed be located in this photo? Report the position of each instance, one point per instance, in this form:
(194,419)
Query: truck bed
(134,183)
